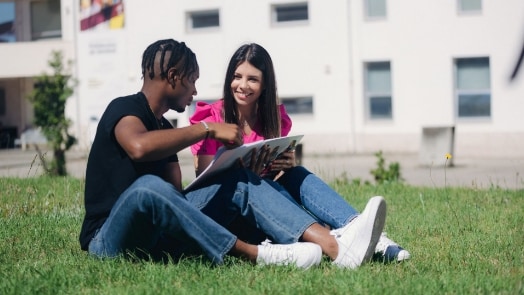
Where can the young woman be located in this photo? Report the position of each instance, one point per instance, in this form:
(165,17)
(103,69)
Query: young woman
(250,101)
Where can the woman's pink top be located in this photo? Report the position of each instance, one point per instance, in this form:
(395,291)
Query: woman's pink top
(213,113)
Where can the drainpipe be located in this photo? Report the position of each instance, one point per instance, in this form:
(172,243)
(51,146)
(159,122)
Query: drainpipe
(352,110)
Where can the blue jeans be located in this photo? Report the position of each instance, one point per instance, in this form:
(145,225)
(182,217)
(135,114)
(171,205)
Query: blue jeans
(152,216)
(316,197)
(241,193)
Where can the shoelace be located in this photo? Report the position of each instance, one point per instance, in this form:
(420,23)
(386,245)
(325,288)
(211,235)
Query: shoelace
(338,231)
(275,252)
(384,242)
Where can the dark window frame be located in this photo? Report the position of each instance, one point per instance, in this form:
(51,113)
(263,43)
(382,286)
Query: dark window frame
(203,19)
(472,102)
(290,13)
(379,103)
(298,105)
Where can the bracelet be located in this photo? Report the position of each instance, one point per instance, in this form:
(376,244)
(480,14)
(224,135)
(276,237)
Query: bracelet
(207,129)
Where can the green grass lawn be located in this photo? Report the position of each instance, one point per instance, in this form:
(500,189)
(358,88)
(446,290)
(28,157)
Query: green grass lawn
(461,241)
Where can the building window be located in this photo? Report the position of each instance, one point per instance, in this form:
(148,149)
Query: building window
(45,19)
(203,19)
(296,12)
(378,90)
(375,8)
(470,5)
(2,103)
(473,91)
(7,22)
(192,107)
(298,105)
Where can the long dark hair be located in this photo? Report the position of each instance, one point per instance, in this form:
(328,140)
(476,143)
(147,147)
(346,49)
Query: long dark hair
(268,111)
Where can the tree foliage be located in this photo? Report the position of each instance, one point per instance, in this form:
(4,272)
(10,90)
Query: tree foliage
(49,98)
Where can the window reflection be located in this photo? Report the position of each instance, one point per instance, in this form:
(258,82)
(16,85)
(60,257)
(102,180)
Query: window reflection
(7,20)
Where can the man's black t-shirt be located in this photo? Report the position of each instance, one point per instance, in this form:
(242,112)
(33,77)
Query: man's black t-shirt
(110,171)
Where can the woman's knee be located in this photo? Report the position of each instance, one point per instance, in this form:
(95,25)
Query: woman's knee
(299,171)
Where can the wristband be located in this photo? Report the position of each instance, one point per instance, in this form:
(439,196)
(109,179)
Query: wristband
(207,129)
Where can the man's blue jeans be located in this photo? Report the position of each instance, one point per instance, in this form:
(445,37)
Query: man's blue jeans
(151,210)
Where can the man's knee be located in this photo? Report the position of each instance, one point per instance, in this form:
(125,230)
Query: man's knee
(153,183)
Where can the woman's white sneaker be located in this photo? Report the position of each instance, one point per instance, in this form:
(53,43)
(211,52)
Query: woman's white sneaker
(302,255)
(358,239)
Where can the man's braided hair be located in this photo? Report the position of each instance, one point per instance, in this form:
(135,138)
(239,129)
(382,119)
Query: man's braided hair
(178,54)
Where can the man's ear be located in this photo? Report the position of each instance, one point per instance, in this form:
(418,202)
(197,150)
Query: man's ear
(172,76)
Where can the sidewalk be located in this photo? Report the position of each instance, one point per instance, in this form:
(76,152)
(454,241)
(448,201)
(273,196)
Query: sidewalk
(466,172)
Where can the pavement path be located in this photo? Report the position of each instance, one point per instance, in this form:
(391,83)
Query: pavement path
(466,172)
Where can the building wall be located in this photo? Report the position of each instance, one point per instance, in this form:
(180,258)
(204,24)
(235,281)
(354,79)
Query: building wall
(323,58)
(421,40)
(25,59)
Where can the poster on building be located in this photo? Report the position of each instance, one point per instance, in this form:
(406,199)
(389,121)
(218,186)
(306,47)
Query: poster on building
(101,14)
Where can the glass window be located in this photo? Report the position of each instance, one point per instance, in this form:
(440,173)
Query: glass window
(204,19)
(192,107)
(470,5)
(7,21)
(2,102)
(473,91)
(298,105)
(45,19)
(375,8)
(290,12)
(378,90)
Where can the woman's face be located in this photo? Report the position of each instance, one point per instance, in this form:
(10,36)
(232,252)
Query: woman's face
(247,84)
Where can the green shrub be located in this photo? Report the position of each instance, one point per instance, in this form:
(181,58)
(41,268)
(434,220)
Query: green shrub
(382,174)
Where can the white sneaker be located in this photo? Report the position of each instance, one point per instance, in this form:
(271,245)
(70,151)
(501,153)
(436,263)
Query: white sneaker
(388,251)
(302,255)
(357,240)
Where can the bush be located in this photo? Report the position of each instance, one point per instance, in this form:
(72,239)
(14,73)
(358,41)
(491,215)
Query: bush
(49,98)
(382,174)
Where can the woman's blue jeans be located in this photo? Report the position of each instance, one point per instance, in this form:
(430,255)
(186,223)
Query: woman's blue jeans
(152,216)
(311,195)
(326,205)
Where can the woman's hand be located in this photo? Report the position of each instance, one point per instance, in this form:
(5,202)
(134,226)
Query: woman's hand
(284,162)
(257,160)
(260,165)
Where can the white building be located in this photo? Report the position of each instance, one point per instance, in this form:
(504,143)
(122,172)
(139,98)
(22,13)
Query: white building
(358,76)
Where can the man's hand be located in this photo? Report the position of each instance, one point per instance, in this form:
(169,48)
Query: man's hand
(229,134)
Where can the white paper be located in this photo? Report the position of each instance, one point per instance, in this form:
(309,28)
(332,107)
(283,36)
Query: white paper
(226,158)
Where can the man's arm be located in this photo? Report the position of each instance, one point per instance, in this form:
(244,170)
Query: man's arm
(173,175)
(143,145)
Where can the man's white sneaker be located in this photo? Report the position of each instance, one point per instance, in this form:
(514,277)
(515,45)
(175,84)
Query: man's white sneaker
(389,251)
(357,240)
(302,255)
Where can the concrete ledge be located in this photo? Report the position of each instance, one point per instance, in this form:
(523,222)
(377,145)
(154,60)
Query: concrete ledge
(435,143)
(31,137)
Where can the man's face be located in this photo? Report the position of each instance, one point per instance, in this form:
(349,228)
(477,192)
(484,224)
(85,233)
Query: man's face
(183,91)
